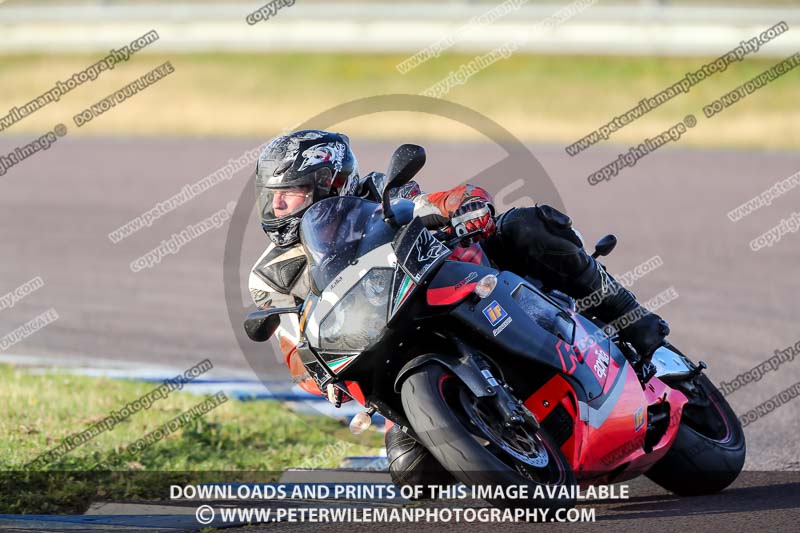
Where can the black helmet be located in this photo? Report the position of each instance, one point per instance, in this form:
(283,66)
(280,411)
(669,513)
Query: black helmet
(296,170)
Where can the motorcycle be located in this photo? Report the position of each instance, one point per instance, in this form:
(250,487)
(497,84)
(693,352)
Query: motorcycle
(500,378)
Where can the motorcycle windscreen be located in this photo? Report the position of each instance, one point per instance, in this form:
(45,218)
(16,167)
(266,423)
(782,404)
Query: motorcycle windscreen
(337,231)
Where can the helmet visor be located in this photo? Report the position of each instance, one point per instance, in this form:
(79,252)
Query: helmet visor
(277,203)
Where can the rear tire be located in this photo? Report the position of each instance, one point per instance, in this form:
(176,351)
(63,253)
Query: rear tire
(430,398)
(706,456)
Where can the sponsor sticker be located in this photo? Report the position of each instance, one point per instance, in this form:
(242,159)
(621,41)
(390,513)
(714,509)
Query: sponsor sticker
(502,326)
(601,363)
(638,419)
(470,277)
(494,313)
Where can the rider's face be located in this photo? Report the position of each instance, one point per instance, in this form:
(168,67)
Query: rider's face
(287,201)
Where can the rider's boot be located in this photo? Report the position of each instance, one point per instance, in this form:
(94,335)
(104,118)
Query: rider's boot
(411,464)
(618,307)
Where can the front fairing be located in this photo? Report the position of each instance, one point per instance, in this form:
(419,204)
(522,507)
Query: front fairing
(357,280)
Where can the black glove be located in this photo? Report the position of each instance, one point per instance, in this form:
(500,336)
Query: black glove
(646,334)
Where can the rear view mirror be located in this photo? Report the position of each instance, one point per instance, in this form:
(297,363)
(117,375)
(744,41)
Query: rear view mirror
(406,161)
(604,246)
(261,325)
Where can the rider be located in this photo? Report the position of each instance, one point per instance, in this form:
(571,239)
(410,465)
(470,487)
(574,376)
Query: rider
(304,167)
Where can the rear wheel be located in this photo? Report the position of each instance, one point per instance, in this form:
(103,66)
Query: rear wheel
(709,450)
(464,434)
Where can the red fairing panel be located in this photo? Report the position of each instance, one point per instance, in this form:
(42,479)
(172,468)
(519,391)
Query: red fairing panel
(615,433)
(611,423)
(355,392)
(656,392)
(610,434)
(616,422)
(449,295)
(554,393)
(462,288)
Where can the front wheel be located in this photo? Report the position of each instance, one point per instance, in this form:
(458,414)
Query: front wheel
(465,435)
(709,450)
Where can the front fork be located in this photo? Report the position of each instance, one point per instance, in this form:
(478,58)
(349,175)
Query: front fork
(477,374)
(511,409)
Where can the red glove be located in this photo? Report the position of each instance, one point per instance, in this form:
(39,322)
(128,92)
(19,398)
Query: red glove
(474,214)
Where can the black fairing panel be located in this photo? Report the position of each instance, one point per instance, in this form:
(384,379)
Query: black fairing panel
(417,250)
(525,338)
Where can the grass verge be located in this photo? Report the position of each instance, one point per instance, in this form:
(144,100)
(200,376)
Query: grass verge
(257,439)
(538,98)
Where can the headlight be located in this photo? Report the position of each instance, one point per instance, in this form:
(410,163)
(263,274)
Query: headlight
(375,286)
(358,318)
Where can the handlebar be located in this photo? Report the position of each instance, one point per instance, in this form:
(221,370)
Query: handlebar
(451,242)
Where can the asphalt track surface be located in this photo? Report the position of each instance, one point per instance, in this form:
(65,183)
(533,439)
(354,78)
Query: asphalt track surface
(735,306)
(763,501)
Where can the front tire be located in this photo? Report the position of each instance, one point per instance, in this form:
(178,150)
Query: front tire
(434,400)
(709,450)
